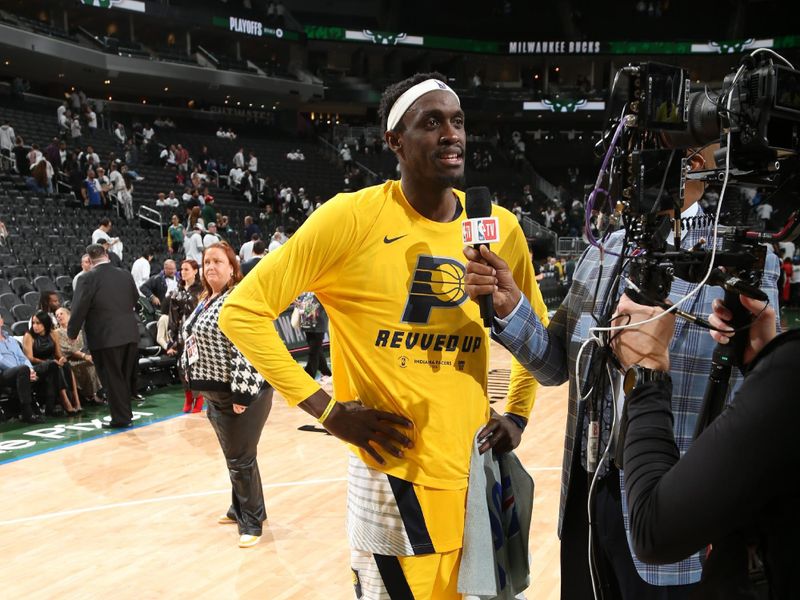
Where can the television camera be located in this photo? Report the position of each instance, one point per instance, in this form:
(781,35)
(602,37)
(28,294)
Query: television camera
(659,119)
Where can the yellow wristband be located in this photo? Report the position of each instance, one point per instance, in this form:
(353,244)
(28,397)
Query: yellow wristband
(327,410)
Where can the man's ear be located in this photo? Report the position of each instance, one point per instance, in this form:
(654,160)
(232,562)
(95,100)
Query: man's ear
(394,141)
(697,162)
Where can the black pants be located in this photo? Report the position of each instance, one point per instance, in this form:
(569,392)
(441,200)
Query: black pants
(238,437)
(316,358)
(48,383)
(618,576)
(116,368)
(20,379)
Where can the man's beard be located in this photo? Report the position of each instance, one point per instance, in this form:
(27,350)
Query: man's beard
(456,181)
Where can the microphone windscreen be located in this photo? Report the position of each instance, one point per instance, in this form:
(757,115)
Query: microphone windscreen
(478,202)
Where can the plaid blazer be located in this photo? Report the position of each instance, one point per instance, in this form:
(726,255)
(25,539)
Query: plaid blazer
(550,354)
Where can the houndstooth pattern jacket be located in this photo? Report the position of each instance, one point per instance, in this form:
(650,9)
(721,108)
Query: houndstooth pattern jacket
(220,366)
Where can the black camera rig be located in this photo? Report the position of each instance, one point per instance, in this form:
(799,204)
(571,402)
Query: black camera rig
(659,120)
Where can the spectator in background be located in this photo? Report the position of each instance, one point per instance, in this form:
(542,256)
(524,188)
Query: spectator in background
(259,251)
(181,305)
(21,157)
(147,133)
(141,268)
(252,163)
(105,302)
(7,137)
(38,181)
(80,360)
(246,251)
(182,159)
(161,201)
(49,303)
(211,236)
(209,212)
(314,324)
(75,131)
(193,244)
(64,125)
(91,121)
(86,266)
(250,227)
(113,257)
(175,235)
(194,218)
(235,177)
(238,159)
(40,345)
(17,371)
(167,157)
(276,241)
(159,286)
(34,155)
(90,191)
(120,137)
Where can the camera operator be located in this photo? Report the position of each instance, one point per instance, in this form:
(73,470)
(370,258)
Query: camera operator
(551,353)
(732,489)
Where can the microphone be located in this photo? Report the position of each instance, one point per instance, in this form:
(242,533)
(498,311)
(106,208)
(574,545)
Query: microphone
(480,229)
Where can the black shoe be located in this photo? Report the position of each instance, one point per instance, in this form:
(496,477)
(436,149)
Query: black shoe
(113,425)
(34,419)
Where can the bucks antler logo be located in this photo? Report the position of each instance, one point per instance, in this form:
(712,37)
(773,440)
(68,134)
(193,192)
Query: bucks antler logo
(384,38)
(564,106)
(731,47)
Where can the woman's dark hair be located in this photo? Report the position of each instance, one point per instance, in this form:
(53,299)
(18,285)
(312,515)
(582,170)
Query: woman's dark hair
(45,320)
(394,91)
(236,277)
(192,263)
(39,173)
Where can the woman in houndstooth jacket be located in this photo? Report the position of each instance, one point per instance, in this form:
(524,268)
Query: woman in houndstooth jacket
(239,400)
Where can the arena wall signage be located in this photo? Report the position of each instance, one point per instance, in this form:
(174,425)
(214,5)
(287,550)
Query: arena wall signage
(134,5)
(545,47)
(564,105)
(253,28)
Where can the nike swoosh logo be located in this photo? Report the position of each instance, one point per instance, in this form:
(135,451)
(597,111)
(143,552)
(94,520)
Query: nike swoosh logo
(388,240)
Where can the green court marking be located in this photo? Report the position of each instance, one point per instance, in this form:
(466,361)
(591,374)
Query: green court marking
(19,440)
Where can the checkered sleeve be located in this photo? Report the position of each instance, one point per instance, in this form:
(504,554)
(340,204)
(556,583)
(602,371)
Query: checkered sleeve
(245,380)
(534,345)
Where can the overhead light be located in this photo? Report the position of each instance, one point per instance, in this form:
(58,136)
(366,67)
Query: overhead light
(251,105)
(144,101)
(166,89)
(6,62)
(226,101)
(107,82)
(262,106)
(557,69)
(109,97)
(238,103)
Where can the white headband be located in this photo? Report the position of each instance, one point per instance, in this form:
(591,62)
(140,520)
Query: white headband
(411,95)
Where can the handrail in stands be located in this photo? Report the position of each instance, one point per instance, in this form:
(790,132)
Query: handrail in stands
(335,153)
(145,213)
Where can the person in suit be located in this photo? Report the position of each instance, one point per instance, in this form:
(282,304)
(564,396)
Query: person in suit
(259,250)
(105,300)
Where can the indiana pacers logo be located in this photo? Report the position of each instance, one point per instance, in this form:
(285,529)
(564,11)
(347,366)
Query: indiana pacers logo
(438,282)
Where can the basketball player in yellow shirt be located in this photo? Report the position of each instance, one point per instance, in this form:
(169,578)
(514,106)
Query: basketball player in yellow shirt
(409,352)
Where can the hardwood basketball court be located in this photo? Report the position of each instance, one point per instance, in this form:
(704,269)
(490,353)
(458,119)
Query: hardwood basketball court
(133,515)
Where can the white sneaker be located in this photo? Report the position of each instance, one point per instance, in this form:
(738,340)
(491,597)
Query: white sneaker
(248,541)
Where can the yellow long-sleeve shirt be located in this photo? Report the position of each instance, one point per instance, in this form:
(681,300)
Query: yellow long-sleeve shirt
(405,338)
